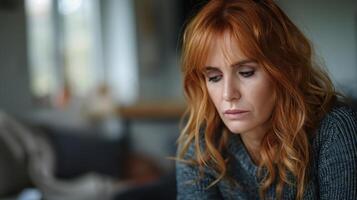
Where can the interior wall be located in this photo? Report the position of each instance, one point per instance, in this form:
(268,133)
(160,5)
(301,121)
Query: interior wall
(332,27)
(15,95)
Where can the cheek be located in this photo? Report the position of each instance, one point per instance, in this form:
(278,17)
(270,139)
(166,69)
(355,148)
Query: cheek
(214,94)
(263,97)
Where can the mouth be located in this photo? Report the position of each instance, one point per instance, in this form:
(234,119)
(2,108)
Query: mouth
(235,114)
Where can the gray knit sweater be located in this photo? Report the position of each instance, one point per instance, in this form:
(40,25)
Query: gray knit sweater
(333,167)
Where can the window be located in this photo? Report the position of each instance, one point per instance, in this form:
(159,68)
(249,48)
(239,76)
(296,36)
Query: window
(41,48)
(64,49)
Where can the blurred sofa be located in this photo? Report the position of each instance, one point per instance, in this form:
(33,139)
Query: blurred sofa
(67,165)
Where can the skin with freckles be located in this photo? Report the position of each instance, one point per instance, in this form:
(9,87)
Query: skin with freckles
(241,91)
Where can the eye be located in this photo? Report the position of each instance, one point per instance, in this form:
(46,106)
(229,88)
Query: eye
(214,79)
(247,74)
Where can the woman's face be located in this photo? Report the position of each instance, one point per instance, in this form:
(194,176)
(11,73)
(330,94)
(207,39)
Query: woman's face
(240,89)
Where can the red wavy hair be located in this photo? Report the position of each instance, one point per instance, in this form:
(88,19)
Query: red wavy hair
(304,91)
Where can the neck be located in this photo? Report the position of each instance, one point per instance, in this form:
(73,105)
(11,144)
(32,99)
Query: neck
(252,142)
(253,148)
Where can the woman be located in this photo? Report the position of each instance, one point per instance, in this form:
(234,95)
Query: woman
(263,119)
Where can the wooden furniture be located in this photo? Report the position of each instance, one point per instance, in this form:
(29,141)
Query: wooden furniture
(152,111)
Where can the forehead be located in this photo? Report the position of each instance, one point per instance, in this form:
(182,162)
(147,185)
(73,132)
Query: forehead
(224,50)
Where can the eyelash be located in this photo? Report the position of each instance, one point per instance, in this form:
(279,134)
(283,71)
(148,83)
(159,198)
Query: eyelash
(247,73)
(217,78)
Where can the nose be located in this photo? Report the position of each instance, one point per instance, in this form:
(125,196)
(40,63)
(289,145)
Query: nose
(231,90)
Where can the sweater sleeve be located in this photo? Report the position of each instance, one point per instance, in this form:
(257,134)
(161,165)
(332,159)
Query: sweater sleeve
(338,158)
(190,184)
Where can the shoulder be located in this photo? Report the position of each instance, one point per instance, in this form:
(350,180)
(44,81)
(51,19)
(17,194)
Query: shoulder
(337,132)
(341,120)
(193,181)
(187,161)
(191,157)
(335,152)
(189,147)
(341,114)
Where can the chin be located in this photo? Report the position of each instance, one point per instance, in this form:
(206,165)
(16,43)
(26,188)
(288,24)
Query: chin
(237,129)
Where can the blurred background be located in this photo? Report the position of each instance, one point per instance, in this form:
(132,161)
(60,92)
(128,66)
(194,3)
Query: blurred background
(91,98)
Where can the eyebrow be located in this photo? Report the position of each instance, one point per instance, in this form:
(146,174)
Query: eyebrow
(236,64)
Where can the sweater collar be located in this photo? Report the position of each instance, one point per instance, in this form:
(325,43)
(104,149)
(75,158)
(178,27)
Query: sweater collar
(238,150)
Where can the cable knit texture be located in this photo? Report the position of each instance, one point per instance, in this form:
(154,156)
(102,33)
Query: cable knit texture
(333,168)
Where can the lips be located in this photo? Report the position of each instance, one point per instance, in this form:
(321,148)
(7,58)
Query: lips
(235,112)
